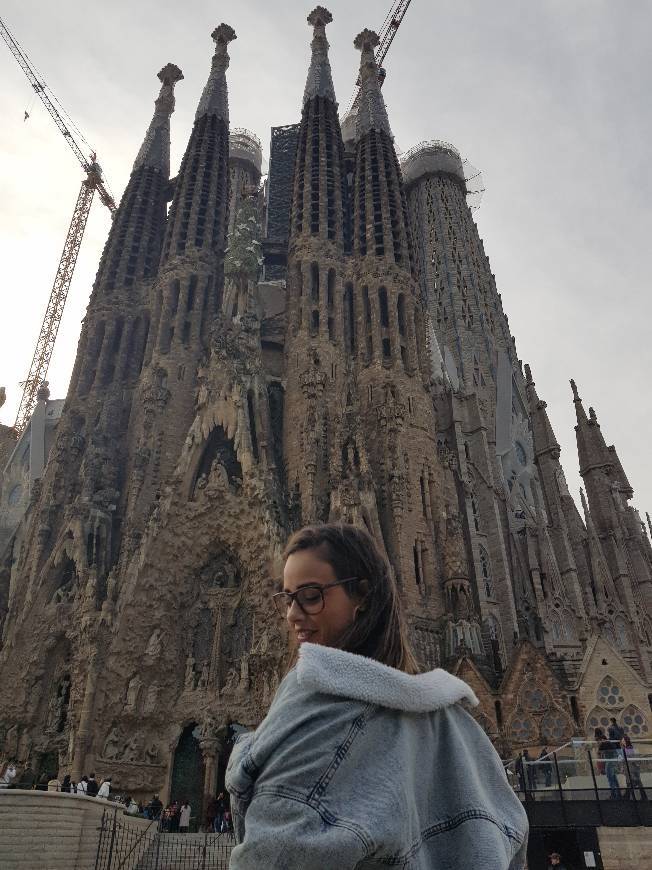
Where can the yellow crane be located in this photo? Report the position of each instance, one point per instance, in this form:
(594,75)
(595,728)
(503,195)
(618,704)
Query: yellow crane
(92,182)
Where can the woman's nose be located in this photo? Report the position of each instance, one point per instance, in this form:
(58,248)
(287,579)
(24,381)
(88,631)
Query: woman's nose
(294,611)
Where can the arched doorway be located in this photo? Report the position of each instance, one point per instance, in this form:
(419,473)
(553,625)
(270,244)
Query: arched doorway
(187,782)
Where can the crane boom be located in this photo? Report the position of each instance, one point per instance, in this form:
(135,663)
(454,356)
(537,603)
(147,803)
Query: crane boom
(59,293)
(56,303)
(387,33)
(42,91)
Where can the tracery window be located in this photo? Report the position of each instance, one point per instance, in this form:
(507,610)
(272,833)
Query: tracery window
(609,693)
(556,727)
(622,633)
(534,698)
(598,718)
(485,568)
(523,729)
(634,722)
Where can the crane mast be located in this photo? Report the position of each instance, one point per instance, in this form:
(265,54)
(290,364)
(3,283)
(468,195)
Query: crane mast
(387,33)
(59,293)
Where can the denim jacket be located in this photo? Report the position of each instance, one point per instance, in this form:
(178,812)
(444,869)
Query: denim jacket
(358,765)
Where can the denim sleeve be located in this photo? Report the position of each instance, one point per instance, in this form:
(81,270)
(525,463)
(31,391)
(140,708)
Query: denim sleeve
(285,833)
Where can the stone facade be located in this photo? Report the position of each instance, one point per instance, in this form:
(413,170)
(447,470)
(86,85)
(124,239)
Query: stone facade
(211,413)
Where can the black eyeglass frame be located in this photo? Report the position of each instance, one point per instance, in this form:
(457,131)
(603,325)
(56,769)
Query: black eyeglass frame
(283,601)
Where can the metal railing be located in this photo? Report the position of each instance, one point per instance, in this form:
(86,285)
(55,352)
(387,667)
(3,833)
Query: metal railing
(123,846)
(618,785)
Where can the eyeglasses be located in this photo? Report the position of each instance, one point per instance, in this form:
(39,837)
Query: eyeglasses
(309,598)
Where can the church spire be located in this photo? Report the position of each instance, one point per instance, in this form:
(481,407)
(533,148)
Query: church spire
(320,80)
(545,440)
(372,114)
(214,99)
(591,446)
(155,150)
(133,246)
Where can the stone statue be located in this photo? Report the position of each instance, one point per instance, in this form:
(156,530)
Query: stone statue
(11,742)
(154,645)
(152,754)
(133,694)
(134,750)
(205,674)
(189,680)
(231,683)
(112,745)
(151,699)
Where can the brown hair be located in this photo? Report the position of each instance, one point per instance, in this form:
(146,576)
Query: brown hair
(379,631)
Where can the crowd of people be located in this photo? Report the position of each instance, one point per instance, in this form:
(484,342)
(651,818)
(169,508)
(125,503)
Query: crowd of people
(46,781)
(174,818)
(615,755)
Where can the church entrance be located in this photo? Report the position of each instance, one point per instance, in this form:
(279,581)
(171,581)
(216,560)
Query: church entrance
(188,774)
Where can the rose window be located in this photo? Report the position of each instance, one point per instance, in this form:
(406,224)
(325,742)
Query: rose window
(609,693)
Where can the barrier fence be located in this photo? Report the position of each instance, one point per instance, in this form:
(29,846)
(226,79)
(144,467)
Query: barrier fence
(123,847)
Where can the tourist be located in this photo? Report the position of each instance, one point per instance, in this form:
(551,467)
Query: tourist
(92,787)
(546,766)
(43,780)
(555,862)
(27,777)
(67,785)
(633,768)
(54,784)
(614,731)
(358,751)
(608,753)
(154,807)
(132,808)
(184,818)
(221,805)
(7,775)
(82,785)
(105,789)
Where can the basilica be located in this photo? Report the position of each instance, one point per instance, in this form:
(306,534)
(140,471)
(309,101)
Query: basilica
(327,343)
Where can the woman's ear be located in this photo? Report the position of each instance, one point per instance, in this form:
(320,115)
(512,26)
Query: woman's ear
(363,593)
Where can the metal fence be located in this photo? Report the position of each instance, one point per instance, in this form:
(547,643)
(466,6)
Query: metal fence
(125,846)
(577,783)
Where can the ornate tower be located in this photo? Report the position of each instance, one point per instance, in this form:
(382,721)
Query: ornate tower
(67,543)
(187,292)
(315,337)
(613,523)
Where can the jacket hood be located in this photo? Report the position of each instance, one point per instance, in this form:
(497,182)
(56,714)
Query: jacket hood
(335,672)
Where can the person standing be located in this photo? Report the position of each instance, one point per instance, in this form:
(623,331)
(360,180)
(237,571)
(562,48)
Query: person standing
(634,769)
(27,777)
(92,787)
(66,785)
(546,765)
(105,789)
(54,784)
(608,750)
(82,785)
(8,775)
(358,750)
(555,862)
(615,731)
(184,818)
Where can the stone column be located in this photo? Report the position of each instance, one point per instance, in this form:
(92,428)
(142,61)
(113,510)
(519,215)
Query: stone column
(86,720)
(211,748)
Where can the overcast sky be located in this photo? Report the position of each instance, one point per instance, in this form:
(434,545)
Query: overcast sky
(549,98)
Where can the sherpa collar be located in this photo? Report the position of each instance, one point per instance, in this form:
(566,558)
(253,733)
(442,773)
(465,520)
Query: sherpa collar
(335,672)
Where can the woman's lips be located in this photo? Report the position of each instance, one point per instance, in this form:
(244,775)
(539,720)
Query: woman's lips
(303,634)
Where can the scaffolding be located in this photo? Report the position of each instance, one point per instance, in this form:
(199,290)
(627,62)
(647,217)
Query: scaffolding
(282,155)
(435,157)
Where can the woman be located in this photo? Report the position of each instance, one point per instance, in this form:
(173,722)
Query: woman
(609,764)
(105,788)
(66,785)
(632,769)
(361,761)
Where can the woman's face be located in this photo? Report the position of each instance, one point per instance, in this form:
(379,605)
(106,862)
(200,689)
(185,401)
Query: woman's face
(305,568)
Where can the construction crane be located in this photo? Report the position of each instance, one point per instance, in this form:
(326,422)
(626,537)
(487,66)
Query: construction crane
(387,33)
(92,182)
